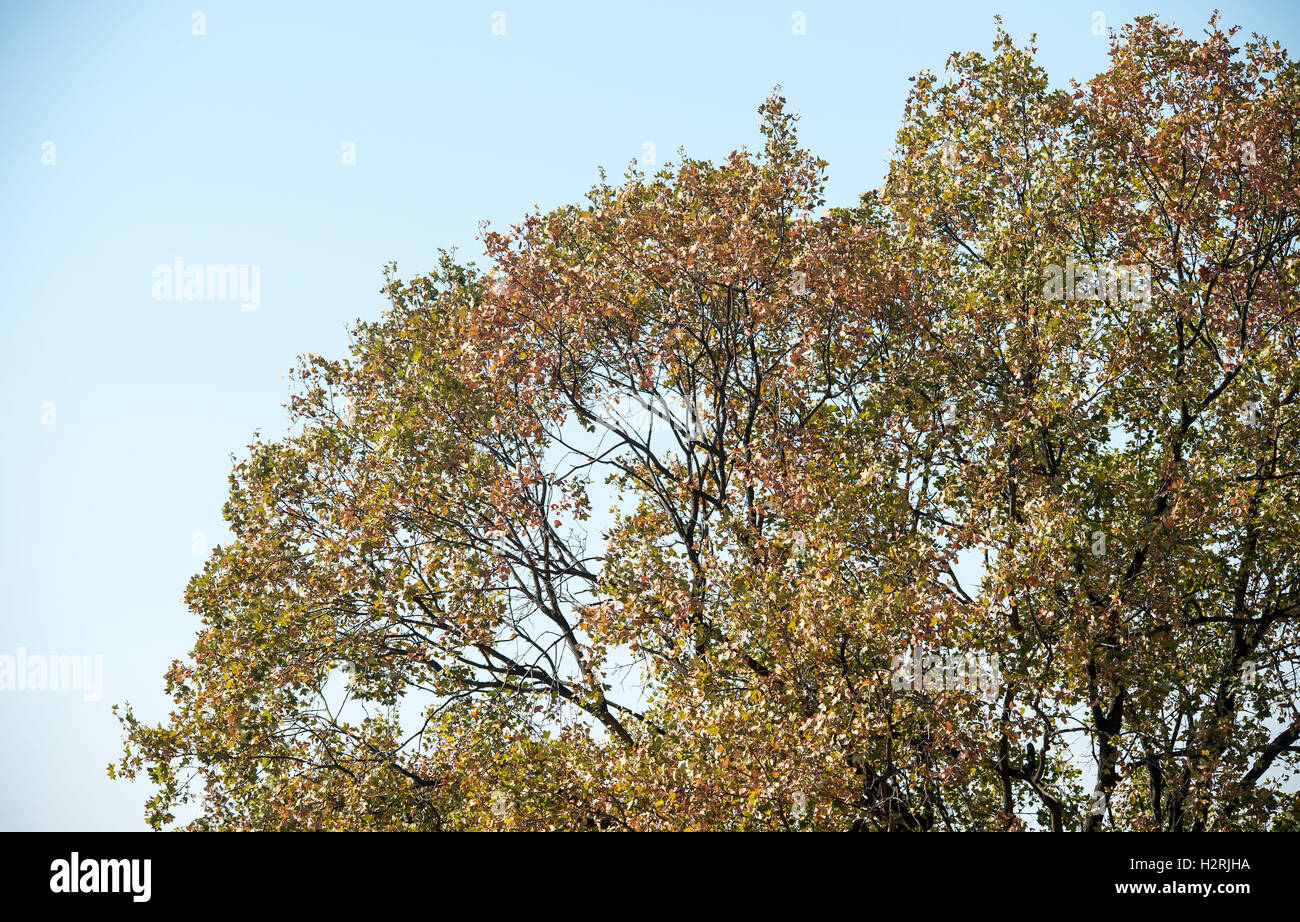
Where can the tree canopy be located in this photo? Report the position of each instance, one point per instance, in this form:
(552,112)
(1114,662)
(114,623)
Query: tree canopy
(974,506)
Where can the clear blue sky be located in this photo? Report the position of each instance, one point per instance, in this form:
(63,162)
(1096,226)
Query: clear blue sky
(226,148)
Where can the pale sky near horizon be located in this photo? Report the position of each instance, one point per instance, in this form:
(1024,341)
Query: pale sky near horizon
(129,142)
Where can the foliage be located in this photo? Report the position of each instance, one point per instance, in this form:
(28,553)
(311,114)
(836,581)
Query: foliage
(813,428)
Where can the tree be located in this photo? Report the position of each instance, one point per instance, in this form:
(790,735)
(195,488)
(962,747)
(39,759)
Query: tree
(971,507)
